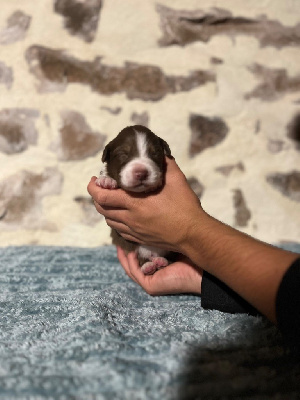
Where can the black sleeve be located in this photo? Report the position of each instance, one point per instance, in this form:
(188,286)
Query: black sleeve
(215,295)
(288,306)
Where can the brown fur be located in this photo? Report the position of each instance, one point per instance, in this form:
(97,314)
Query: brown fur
(118,153)
(126,245)
(123,148)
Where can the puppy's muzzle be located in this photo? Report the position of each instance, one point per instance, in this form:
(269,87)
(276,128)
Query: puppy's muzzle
(140,173)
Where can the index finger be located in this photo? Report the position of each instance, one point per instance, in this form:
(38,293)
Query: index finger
(115,198)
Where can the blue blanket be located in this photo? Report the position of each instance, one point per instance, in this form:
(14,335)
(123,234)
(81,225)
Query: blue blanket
(73,325)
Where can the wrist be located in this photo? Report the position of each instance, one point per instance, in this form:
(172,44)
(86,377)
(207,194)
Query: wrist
(194,235)
(197,284)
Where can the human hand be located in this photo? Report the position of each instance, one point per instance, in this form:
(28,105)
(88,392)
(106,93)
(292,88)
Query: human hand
(160,219)
(180,277)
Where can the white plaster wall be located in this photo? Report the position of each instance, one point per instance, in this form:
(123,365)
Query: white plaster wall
(129,31)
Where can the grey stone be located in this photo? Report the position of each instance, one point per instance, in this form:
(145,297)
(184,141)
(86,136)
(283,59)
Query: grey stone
(90,215)
(216,61)
(257,126)
(77,141)
(114,111)
(275,146)
(206,132)
(227,169)
(140,119)
(21,197)
(55,70)
(274,83)
(196,186)
(81,17)
(17,129)
(286,183)
(182,27)
(6,75)
(242,213)
(17,25)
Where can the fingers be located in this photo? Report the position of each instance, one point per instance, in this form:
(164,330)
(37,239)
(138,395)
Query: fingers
(135,269)
(124,231)
(132,267)
(174,176)
(118,226)
(123,258)
(171,163)
(172,168)
(132,238)
(115,198)
(112,214)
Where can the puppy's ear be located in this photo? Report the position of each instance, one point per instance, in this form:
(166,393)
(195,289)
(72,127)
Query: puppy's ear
(166,148)
(106,153)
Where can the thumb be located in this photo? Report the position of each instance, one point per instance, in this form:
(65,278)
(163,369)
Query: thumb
(115,198)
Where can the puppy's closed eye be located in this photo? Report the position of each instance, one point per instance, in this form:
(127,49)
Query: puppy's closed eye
(121,155)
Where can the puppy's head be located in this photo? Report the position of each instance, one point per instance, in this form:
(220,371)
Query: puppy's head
(136,159)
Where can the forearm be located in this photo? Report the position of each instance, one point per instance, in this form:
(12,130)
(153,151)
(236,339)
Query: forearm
(251,268)
(174,220)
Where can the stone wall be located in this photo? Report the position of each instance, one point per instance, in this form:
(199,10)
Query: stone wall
(220,81)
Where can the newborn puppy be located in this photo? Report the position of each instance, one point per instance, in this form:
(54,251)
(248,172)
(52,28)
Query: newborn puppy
(135,161)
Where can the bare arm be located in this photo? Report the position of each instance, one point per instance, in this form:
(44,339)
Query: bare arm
(251,268)
(174,219)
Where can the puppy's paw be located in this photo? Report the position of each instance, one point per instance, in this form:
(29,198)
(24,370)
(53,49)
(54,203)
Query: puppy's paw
(150,267)
(106,182)
(160,262)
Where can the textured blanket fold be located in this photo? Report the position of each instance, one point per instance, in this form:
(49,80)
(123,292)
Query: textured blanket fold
(73,325)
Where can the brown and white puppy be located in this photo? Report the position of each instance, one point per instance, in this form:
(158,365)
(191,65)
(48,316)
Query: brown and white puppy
(135,161)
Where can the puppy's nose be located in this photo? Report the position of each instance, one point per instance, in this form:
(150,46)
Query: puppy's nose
(140,174)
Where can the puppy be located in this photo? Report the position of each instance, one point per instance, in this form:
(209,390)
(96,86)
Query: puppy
(135,161)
